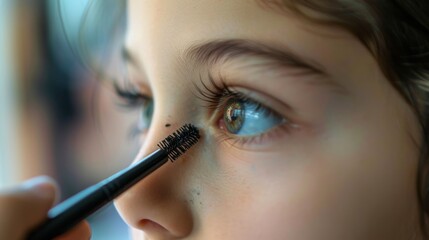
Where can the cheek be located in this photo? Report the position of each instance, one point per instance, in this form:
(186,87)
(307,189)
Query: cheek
(372,163)
(269,200)
(314,202)
(338,186)
(259,196)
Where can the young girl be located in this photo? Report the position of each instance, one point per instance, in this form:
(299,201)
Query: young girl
(313,115)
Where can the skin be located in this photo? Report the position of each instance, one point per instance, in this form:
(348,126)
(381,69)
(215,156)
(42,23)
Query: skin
(344,169)
(32,199)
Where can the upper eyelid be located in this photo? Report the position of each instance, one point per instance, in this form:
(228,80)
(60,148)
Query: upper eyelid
(221,94)
(249,100)
(211,92)
(129,92)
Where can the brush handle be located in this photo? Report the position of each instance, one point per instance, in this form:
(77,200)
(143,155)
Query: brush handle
(67,214)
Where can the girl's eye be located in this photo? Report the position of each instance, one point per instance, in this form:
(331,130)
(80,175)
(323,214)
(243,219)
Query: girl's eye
(245,117)
(132,99)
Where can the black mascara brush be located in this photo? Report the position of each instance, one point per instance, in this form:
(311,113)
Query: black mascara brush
(73,210)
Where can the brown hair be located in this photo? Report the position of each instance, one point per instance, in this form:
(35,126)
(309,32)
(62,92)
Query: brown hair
(396,32)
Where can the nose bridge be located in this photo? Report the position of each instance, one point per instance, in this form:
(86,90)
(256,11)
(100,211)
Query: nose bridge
(174,97)
(159,197)
(172,91)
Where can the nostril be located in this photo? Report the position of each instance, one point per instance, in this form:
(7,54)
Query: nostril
(147,224)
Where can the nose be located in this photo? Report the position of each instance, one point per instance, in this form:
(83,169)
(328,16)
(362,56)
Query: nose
(157,205)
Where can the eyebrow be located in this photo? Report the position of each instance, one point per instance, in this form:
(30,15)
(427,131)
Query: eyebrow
(213,52)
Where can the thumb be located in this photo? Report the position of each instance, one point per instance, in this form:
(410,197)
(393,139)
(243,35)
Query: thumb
(24,207)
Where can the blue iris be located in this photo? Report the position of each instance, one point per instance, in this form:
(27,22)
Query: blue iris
(146,115)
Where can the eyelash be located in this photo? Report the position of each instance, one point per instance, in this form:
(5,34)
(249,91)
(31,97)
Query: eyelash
(217,95)
(132,98)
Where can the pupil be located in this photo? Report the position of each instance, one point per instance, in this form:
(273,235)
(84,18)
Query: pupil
(235,114)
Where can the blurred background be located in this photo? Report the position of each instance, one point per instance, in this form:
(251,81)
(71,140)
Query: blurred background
(58,116)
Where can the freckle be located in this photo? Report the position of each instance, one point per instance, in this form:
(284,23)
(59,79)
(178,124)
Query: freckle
(198,193)
(167,125)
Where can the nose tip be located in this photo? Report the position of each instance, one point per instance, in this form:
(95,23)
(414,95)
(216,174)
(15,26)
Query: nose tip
(155,207)
(157,204)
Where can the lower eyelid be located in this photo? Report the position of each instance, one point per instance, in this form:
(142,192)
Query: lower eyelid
(259,142)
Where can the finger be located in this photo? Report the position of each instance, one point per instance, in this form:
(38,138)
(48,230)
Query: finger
(81,232)
(22,208)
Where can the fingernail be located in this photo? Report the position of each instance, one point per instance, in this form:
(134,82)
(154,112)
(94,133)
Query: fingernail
(42,185)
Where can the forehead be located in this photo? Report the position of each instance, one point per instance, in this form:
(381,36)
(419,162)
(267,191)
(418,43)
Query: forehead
(165,28)
(173,24)
(186,16)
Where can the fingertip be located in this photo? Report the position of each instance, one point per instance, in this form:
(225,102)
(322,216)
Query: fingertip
(43,187)
(34,182)
(27,205)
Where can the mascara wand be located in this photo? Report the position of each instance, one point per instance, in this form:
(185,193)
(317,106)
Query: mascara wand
(75,209)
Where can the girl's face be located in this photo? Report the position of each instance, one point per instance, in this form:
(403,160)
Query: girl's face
(303,137)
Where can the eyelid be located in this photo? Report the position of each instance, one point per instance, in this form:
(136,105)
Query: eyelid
(212,88)
(271,103)
(217,96)
(131,96)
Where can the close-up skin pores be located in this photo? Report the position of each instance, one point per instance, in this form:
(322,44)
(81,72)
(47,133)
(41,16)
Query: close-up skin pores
(303,135)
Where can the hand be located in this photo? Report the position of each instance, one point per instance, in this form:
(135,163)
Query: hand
(26,206)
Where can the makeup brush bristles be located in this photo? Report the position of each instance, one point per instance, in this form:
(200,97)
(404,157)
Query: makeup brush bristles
(180,141)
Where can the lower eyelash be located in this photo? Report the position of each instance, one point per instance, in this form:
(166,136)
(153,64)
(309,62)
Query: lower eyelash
(241,142)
